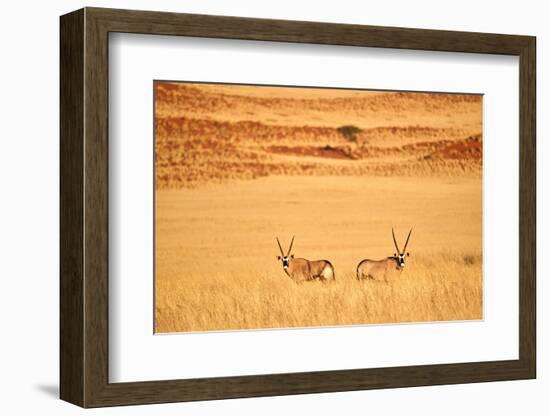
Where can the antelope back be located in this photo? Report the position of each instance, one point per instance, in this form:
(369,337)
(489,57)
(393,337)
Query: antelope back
(381,270)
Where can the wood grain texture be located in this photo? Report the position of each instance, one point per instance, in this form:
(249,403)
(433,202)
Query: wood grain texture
(226,27)
(84,207)
(527,208)
(71,213)
(96,218)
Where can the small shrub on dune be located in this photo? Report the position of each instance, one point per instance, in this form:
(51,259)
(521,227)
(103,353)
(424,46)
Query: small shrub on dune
(349,132)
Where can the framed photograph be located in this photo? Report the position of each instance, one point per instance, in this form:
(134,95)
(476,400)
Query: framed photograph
(254,207)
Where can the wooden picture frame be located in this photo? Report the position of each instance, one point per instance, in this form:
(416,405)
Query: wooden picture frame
(84,207)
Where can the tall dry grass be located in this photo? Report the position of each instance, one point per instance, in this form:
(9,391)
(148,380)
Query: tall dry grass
(441,286)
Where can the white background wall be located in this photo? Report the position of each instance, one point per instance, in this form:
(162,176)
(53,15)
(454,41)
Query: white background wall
(29,159)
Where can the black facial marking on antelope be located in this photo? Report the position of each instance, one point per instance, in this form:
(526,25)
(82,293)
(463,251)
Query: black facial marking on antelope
(387,268)
(301,270)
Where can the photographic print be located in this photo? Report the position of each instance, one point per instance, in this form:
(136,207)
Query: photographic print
(294,206)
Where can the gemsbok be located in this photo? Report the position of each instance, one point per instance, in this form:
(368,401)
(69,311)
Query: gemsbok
(385,269)
(302,270)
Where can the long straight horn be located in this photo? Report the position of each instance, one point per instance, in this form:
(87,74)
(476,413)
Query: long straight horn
(395,241)
(407,242)
(290,248)
(280,248)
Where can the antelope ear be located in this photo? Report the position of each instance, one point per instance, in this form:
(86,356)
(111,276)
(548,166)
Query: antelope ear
(408,254)
(292,256)
(278,257)
(394,254)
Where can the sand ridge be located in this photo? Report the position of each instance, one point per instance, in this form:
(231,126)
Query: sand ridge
(217,133)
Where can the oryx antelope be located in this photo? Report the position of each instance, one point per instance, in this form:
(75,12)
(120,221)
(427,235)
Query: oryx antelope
(301,270)
(385,269)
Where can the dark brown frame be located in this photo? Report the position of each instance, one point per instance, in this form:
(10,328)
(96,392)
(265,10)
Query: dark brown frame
(84,207)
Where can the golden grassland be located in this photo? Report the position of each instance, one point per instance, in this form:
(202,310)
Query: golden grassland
(257,298)
(216,263)
(237,166)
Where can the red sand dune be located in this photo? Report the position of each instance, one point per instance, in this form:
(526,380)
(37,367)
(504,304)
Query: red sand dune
(210,133)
